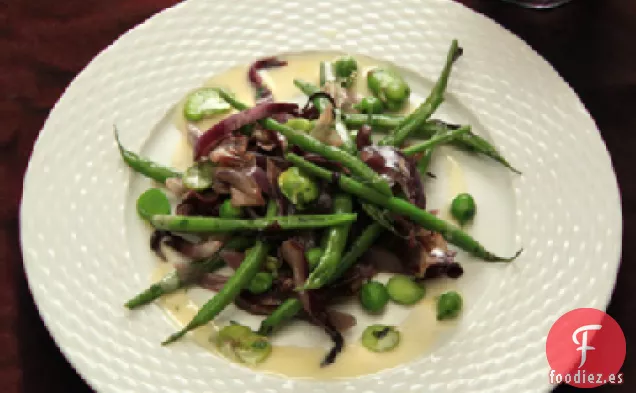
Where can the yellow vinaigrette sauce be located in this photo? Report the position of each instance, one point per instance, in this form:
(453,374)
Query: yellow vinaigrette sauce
(418,331)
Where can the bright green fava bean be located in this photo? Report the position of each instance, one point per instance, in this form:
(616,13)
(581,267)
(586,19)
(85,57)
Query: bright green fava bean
(261,283)
(463,208)
(232,332)
(380,338)
(299,188)
(389,87)
(199,176)
(300,124)
(203,103)
(152,202)
(227,210)
(273,264)
(345,66)
(449,305)
(403,290)
(238,342)
(370,105)
(374,296)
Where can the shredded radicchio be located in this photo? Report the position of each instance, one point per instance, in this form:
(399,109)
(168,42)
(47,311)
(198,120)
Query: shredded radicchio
(395,167)
(322,320)
(269,141)
(232,258)
(383,260)
(245,189)
(272,173)
(231,151)
(263,93)
(204,203)
(213,281)
(293,253)
(363,137)
(253,306)
(186,248)
(232,123)
(310,111)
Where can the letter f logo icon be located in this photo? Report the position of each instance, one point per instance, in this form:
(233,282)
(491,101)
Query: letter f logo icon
(583,344)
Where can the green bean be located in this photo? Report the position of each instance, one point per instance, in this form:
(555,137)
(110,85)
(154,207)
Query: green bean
(143,165)
(379,122)
(420,115)
(436,140)
(291,307)
(451,233)
(282,314)
(313,256)
(172,281)
(348,143)
(326,72)
(312,145)
(238,281)
(308,88)
(197,224)
(424,162)
(381,216)
(235,103)
(336,240)
(359,247)
(470,142)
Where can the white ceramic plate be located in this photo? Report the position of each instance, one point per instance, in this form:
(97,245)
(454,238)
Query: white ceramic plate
(85,252)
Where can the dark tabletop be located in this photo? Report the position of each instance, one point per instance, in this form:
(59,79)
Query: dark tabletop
(45,43)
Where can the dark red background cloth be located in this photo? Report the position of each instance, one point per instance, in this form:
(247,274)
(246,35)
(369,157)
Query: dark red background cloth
(45,43)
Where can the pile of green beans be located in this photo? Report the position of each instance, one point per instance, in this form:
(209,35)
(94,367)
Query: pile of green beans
(333,259)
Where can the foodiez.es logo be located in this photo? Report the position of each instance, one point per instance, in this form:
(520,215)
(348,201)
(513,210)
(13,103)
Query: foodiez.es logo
(586,348)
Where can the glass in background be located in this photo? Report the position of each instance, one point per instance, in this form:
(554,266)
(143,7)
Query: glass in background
(538,3)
